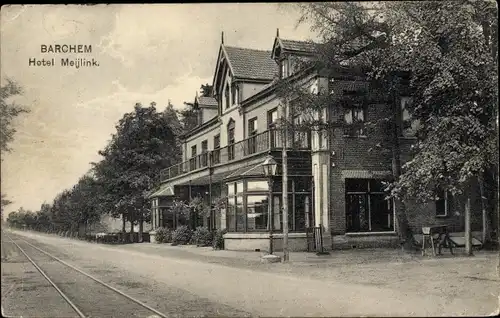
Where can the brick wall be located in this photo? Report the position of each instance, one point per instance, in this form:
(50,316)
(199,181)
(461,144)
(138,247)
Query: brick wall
(362,153)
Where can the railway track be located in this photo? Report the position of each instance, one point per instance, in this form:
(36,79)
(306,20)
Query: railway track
(88,296)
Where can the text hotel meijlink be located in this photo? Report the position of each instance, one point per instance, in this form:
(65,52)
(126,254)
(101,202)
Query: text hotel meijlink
(75,62)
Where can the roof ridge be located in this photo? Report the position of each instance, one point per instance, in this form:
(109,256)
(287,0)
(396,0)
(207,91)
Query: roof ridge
(302,41)
(245,48)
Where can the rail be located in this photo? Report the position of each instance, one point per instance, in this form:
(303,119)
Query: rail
(77,310)
(265,141)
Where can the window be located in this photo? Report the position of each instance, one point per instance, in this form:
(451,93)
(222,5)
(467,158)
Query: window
(192,161)
(367,210)
(252,132)
(257,212)
(444,203)
(235,218)
(272,119)
(300,136)
(226,95)
(354,119)
(248,208)
(409,125)
(284,68)
(216,152)
(204,153)
(234,94)
(253,185)
(230,140)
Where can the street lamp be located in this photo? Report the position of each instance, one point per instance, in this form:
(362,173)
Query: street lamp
(270,166)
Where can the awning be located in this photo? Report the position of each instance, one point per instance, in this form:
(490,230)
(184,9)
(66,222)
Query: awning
(365,174)
(252,171)
(163,191)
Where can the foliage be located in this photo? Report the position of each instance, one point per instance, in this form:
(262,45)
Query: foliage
(202,236)
(206,90)
(199,206)
(220,203)
(443,54)
(218,240)
(450,53)
(181,236)
(180,208)
(9,110)
(189,117)
(144,143)
(163,235)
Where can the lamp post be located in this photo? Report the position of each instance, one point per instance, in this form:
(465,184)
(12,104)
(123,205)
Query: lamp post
(270,166)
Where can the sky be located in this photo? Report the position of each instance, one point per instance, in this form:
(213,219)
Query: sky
(146,53)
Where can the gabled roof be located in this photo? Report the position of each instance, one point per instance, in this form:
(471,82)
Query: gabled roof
(163,191)
(295,46)
(301,46)
(251,63)
(205,101)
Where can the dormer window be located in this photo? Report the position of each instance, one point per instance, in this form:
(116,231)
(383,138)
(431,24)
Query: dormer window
(284,68)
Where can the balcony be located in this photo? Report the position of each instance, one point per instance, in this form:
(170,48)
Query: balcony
(263,142)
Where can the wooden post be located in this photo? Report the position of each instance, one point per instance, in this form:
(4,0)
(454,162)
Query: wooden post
(468,233)
(285,182)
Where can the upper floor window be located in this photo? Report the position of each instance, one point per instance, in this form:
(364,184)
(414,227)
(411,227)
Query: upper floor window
(216,152)
(409,125)
(234,94)
(252,126)
(252,132)
(216,141)
(230,140)
(226,96)
(354,119)
(204,151)
(284,68)
(272,117)
(193,163)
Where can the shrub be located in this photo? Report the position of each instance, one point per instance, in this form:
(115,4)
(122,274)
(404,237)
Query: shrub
(163,235)
(202,236)
(218,240)
(182,235)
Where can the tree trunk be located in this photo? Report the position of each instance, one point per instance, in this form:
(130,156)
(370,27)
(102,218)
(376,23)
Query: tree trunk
(141,227)
(468,233)
(132,220)
(124,224)
(404,231)
(486,238)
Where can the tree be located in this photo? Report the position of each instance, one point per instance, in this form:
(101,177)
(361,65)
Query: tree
(444,55)
(206,90)
(9,110)
(144,143)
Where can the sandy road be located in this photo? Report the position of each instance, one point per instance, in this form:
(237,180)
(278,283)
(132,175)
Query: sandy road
(260,293)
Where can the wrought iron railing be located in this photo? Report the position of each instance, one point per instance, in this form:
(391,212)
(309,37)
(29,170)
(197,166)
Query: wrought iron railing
(265,141)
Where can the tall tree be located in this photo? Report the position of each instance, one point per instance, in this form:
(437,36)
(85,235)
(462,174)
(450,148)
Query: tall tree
(9,110)
(144,143)
(447,53)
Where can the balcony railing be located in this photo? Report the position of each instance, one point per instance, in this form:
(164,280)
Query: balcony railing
(268,140)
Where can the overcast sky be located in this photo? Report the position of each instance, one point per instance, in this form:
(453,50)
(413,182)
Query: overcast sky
(145,53)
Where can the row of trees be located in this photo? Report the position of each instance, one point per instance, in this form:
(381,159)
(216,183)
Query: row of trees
(444,54)
(146,140)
